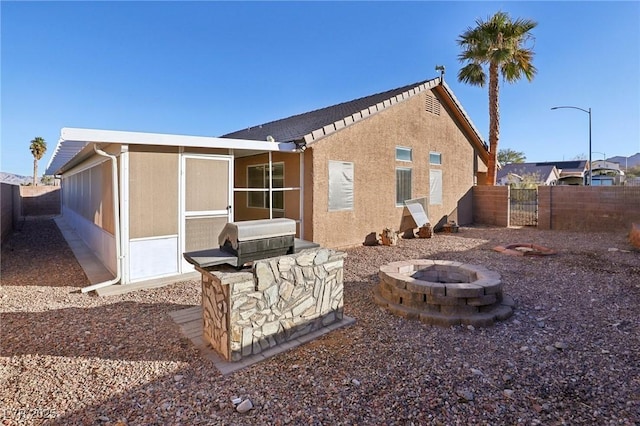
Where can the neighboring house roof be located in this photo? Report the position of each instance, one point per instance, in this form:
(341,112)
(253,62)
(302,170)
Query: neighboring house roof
(314,125)
(543,172)
(572,166)
(75,144)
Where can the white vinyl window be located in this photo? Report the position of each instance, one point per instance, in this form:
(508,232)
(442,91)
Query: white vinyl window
(258,177)
(403,153)
(340,185)
(435,158)
(435,187)
(403,185)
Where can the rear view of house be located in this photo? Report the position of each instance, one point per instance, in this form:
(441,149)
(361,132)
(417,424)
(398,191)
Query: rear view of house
(140,200)
(364,158)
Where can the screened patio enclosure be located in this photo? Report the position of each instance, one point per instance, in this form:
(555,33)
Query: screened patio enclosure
(140,200)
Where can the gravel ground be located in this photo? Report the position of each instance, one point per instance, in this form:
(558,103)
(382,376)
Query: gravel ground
(568,355)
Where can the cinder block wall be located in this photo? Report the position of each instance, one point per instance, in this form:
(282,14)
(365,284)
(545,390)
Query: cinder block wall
(585,208)
(491,205)
(40,200)
(7,208)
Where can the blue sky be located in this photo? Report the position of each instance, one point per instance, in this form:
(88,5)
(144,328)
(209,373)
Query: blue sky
(209,68)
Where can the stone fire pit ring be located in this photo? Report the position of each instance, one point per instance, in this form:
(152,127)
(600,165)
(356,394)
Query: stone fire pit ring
(443,292)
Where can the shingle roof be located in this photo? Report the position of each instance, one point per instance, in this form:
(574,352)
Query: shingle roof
(520,169)
(566,166)
(316,124)
(296,127)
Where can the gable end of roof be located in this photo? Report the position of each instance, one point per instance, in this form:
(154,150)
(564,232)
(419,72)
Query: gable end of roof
(369,111)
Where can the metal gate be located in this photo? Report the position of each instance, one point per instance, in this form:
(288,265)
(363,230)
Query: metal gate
(523,205)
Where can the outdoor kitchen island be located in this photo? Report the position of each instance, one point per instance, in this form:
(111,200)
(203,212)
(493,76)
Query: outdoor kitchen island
(296,290)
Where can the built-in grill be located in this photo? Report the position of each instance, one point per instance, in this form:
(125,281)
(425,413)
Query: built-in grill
(246,241)
(258,239)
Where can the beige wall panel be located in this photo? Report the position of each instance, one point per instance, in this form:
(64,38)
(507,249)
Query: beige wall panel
(96,195)
(203,177)
(85,205)
(153,194)
(108,220)
(370,144)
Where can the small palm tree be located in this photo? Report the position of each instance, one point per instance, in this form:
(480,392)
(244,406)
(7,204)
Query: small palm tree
(38,147)
(500,44)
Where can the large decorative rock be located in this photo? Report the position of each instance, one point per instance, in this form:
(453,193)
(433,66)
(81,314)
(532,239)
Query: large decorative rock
(634,235)
(389,237)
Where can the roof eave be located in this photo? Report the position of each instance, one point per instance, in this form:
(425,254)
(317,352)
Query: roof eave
(463,118)
(74,140)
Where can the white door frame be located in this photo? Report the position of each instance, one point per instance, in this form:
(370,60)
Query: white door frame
(184,214)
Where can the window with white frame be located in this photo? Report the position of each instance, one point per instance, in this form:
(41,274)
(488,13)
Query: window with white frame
(403,185)
(258,177)
(403,153)
(435,158)
(340,185)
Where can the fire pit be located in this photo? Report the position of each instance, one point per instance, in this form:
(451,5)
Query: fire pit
(443,292)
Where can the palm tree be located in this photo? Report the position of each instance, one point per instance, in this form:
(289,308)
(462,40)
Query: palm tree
(38,147)
(508,156)
(500,44)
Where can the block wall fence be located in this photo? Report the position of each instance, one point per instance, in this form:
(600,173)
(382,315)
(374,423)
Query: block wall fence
(571,208)
(18,202)
(491,205)
(585,208)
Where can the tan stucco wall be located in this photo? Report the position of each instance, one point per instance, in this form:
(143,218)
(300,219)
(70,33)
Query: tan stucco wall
(370,144)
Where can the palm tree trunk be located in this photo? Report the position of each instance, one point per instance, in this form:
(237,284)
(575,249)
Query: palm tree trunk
(494,124)
(35,172)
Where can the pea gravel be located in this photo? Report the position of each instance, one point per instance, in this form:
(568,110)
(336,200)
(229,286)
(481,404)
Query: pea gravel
(568,355)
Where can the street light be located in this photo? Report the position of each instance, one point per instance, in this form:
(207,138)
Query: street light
(588,112)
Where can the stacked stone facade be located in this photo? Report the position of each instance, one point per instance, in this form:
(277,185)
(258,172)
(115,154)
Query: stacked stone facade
(279,300)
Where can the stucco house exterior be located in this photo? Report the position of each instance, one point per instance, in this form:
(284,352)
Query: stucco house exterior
(365,157)
(140,200)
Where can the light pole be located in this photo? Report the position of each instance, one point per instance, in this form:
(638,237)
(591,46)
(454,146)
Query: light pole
(588,112)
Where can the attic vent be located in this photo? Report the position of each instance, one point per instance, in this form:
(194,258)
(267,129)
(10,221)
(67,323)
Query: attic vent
(432,105)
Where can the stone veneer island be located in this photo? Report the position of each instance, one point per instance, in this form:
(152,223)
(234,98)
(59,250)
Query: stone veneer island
(278,300)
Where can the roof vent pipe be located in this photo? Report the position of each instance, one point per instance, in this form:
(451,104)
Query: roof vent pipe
(116,216)
(441,69)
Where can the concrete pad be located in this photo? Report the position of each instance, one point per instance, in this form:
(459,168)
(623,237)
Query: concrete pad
(188,320)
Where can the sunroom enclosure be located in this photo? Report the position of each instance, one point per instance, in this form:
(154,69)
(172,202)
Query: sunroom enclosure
(140,200)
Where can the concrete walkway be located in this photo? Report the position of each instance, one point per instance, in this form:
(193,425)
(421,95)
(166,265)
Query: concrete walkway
(93,268)
(97,273)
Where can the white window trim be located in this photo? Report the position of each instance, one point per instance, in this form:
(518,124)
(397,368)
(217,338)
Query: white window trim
(401,204)
(439,154)
(405,148)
